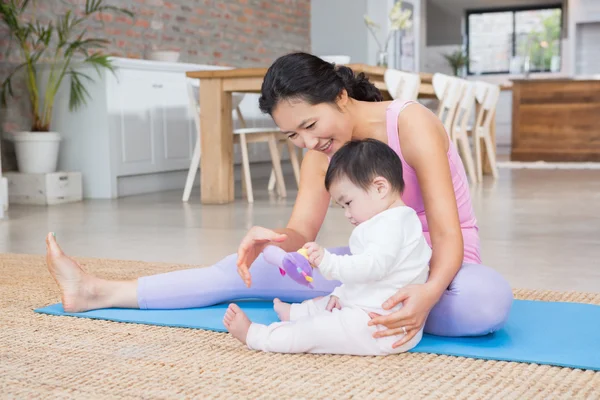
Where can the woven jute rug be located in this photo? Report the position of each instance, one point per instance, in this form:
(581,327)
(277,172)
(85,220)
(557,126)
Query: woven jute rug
(48,357)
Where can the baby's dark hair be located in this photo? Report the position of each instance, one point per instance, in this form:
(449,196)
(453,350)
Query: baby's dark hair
(307,77)
(361,161)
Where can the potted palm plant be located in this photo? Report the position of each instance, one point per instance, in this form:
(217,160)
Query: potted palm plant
(56,47)
(457,60)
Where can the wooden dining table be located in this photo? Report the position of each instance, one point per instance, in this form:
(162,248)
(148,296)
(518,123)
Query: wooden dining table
(216,125)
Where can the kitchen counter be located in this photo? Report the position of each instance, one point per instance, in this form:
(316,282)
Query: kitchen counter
(556,119)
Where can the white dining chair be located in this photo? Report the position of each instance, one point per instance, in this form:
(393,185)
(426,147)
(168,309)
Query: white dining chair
(449,91)
(295,160)
(460,126)
(457,102)
(487,96)
(242,136)
(402,85)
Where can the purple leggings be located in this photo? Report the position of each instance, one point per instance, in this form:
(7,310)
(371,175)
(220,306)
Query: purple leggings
(476,303)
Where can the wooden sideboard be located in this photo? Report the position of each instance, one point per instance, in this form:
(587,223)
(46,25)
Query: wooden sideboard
(556,120)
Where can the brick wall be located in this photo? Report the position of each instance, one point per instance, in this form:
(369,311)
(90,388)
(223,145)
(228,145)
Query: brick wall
(241,33)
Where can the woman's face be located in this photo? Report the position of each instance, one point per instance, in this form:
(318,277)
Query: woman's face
(322,127)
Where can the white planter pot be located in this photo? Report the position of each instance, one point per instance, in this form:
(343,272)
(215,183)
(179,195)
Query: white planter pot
(37,152)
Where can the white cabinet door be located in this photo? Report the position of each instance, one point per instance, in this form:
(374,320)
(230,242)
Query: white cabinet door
(177,127)
(155,130)
(137,134)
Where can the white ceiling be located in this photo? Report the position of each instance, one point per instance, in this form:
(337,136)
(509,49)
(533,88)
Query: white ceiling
(459,6)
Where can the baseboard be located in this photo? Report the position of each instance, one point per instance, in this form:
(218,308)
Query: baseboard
(175,180)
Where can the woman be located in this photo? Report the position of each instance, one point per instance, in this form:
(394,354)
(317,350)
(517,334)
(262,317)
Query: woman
(321,107)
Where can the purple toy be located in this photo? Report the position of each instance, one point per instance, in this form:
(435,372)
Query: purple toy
(295,264)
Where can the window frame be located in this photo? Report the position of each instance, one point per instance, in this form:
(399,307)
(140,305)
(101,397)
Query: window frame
(514,10)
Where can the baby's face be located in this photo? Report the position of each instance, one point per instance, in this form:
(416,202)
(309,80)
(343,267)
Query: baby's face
(359,205)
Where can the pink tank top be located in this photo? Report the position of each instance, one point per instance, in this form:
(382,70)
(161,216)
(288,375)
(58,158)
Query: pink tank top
(412,193)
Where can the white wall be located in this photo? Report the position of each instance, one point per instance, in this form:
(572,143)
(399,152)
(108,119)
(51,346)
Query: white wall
(587,60)
(581,12)
(378,11)
(443,25)
(337,28)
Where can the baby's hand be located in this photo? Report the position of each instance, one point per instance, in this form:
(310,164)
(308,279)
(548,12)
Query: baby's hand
(334,302)
(315,253)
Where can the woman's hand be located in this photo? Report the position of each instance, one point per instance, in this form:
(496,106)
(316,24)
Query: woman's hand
(417,301)
(251,246)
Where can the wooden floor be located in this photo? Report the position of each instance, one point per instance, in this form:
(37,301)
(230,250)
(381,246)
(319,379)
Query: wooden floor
(540,228)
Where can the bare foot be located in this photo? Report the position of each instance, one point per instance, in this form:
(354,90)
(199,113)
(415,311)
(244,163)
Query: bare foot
(236,322)
(282,309)
(75,285)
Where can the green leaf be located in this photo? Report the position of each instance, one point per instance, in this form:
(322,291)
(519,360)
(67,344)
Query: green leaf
(83,46)
(24,5)
(456,59)
(62,28)
(6,89)
(97,6)
(100,61)
(41,37)
(10,13)
(78,93)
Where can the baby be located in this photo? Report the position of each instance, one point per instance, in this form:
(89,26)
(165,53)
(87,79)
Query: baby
(388,250)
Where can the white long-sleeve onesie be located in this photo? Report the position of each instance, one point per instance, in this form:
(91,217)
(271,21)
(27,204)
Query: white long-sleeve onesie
(389,252)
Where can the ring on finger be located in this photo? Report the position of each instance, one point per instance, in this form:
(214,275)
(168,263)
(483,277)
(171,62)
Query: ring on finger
(404,330)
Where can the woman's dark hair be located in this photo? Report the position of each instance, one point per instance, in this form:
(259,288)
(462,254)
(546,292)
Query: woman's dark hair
(314,80)
(361,161)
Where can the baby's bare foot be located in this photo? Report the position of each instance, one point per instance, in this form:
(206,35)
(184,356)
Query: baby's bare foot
(282,309)
(236,322)
(75,285)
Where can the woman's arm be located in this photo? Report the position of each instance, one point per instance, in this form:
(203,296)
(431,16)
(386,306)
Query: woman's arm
(311,203)
(304,224)
(424,146)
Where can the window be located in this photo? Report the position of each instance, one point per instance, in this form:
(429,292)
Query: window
(514,40)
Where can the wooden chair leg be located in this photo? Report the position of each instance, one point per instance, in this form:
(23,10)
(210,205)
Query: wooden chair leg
(276,160)
(491,154)
(191,176)
(295,162)
(243,179)
(455,137)
(272,181)
(478,155)
(246,168)
(272,178)
(467,157)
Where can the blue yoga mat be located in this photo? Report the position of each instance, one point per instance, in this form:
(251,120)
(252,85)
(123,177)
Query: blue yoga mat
(561,334)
